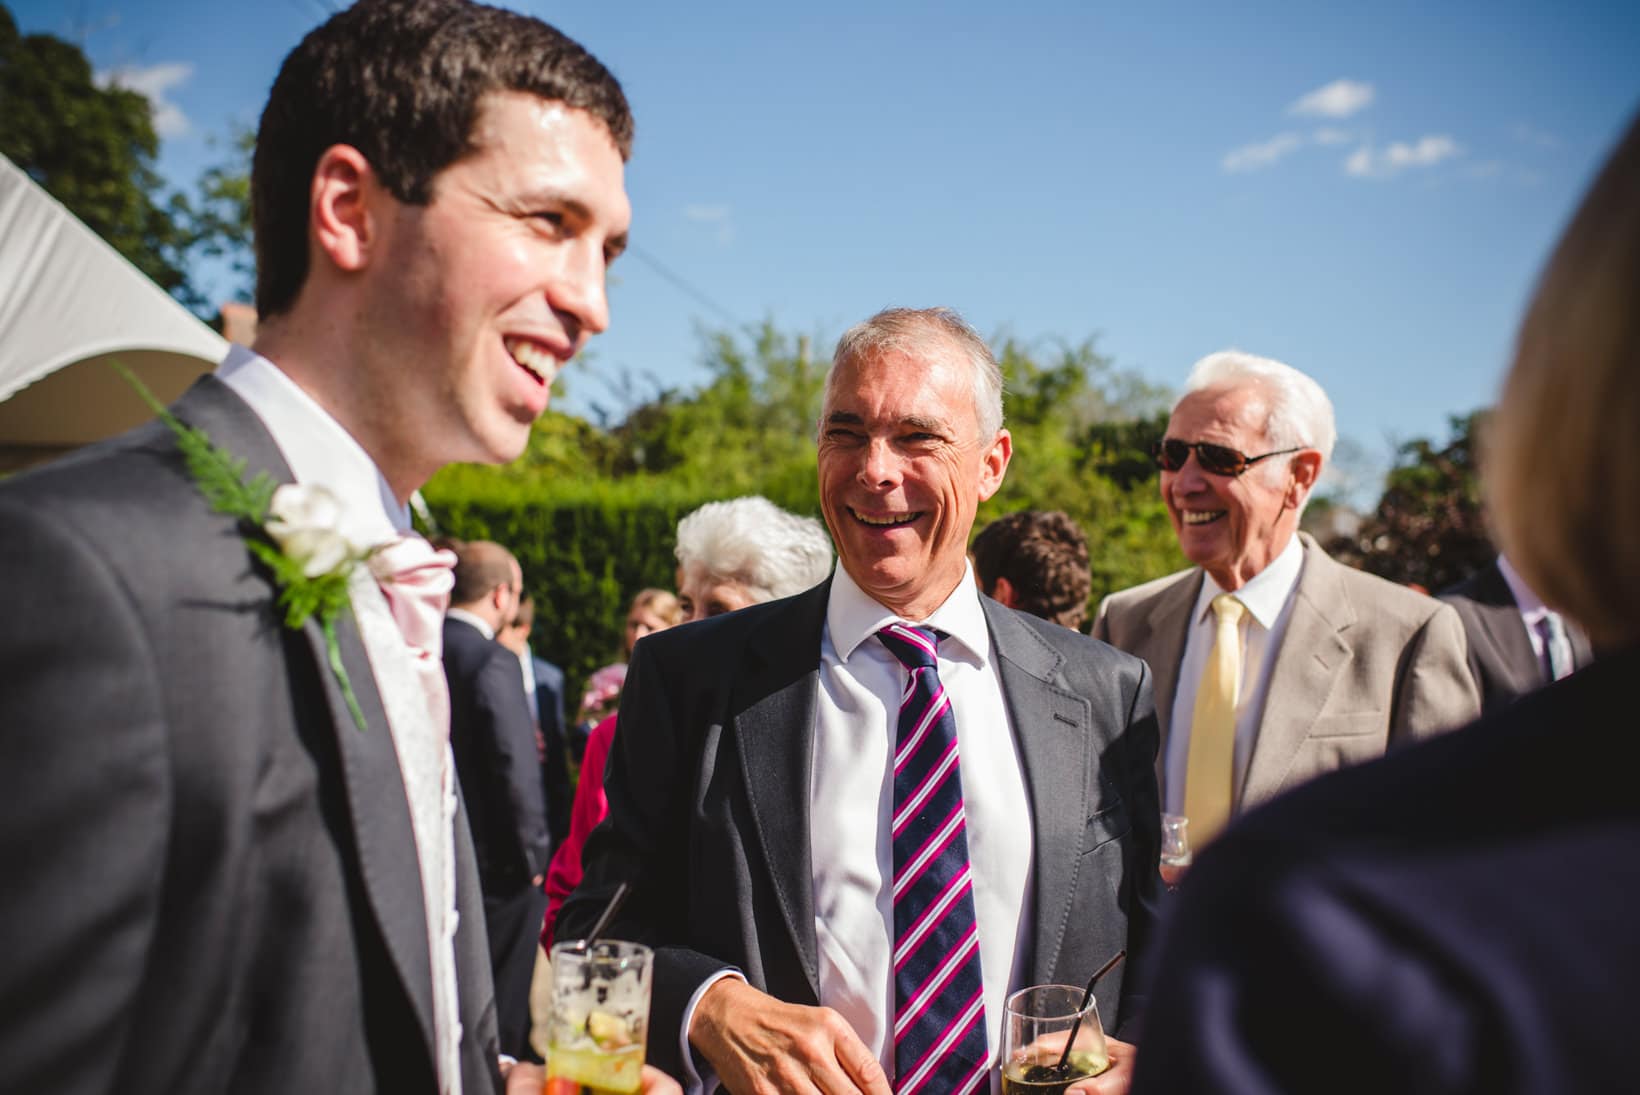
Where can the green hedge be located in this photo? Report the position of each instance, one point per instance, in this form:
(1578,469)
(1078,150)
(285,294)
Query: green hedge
(587,545)
(585,549)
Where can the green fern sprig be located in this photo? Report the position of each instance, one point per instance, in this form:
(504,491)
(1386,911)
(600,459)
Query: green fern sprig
(220,477)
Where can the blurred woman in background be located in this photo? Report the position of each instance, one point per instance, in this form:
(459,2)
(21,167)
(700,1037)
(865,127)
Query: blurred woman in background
(652,610)
(730,554)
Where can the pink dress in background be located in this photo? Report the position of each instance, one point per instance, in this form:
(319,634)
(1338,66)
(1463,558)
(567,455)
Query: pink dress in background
(591,806)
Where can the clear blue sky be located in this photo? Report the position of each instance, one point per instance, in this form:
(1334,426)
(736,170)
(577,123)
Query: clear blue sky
(1366,191)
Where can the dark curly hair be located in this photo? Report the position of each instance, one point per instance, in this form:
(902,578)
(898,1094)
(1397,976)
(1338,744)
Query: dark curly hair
(1044,556)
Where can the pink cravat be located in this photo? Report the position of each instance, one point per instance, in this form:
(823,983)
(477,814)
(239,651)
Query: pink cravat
(416,579)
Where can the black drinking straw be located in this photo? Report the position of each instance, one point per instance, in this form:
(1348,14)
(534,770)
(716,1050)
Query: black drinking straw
(614,907)
(1064,1058)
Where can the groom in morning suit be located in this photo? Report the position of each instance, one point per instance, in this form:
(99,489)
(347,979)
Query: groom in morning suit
(756,772)
(219,878)
(1324,666)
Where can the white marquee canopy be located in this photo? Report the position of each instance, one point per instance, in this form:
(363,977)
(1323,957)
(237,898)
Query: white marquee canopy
(68,302)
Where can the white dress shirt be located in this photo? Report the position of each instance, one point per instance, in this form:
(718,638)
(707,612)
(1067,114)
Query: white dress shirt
(1268,598)
(851,801)
(319,451)
(1534,614)
(851,795)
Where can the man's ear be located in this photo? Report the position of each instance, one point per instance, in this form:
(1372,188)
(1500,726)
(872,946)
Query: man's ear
(994,465)
(1306,468)
(1003,592)
(343,207)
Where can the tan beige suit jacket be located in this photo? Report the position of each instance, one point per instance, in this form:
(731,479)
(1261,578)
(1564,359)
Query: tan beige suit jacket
(1365,664)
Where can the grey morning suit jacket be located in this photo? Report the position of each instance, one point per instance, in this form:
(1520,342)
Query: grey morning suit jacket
(708,786)
(1365,664)
(1501,658)
(211,882)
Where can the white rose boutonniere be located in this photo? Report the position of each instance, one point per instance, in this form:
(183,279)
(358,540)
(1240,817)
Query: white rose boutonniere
(305,522)
(293,529)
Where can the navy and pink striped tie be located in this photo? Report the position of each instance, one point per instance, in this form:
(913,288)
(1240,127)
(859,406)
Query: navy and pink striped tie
(939,998)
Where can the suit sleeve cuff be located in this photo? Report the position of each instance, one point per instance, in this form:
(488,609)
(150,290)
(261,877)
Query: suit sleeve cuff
(698,1075)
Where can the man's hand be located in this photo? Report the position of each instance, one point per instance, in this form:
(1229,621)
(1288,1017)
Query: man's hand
(523,1079)
(1116,1079)
(763,1046)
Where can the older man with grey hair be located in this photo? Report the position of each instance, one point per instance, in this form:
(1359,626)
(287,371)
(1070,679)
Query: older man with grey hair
(855,819)
(1273,663)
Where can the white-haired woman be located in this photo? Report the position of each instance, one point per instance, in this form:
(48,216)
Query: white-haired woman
(730,554)
(746,551)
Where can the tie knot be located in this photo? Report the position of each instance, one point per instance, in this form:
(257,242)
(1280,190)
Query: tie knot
(1227,608)
(916,647)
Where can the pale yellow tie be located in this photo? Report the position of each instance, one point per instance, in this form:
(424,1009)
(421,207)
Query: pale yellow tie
(1210,772)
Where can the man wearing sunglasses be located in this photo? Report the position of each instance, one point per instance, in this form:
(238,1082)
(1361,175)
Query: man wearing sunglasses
(1273,663)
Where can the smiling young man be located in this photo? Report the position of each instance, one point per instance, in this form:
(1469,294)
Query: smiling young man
(1273,663)
(228,871)
(811,829)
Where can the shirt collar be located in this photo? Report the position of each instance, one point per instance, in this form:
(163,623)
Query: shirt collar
(472,619)
(317,448)
(1266,593)
(852,616)
(1530,604)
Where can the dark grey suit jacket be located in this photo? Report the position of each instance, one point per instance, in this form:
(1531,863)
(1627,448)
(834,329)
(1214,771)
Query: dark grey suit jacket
(211,882)
(493,738)
(708,786)
(1501,657)
(549,713)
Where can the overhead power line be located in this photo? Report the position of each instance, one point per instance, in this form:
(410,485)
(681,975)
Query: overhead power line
(683,284)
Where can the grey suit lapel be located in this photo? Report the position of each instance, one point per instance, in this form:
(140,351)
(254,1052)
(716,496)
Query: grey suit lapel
(1159,638)
(1312,655)
(370,765)
(1054,731)
(1499,615)
(775,704)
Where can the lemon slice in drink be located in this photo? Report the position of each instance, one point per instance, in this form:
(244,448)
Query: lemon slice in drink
(602,1070)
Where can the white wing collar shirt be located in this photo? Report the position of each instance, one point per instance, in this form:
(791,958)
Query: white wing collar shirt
(1268,599)
(851,802)
(320,451)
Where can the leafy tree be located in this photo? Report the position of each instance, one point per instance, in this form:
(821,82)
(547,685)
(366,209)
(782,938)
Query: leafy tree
(751,423)
(217,224)
(93,149)
(1428,528)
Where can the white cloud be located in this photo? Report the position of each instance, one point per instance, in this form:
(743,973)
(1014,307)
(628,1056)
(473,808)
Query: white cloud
(720,215)
(1426,153)
(1262,154)
(1360,162)
(1367,162)
(1339,99)
(1328,135)
(1527,134)
(153,82)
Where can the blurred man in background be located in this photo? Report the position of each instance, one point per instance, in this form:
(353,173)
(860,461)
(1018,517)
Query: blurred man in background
(1035,561)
